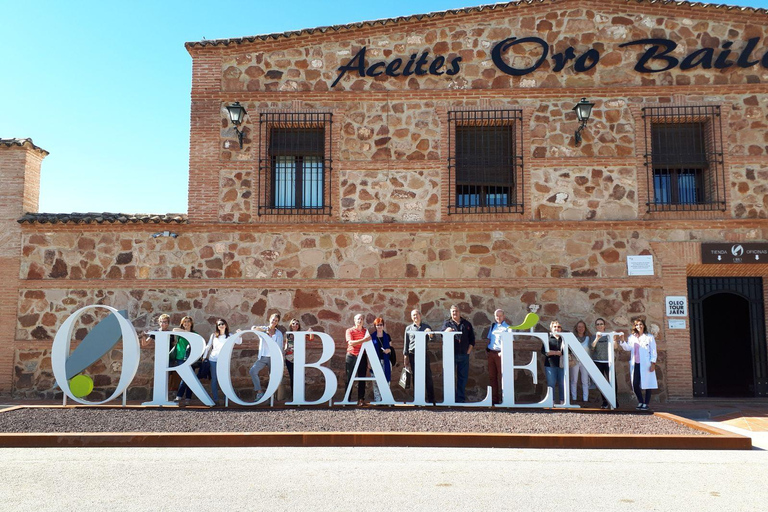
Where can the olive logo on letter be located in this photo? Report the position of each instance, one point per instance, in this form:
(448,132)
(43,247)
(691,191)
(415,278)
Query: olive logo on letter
(101,339)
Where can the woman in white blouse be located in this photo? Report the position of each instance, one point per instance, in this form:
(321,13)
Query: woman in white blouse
(642,363)
(211,353)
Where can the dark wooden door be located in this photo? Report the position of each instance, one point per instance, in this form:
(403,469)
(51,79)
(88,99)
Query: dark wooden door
(728,352)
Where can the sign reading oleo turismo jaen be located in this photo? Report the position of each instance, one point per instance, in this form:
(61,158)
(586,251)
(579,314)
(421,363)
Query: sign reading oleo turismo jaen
(60,352)
(656,56)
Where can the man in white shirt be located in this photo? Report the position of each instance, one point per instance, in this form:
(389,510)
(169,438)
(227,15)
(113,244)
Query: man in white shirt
(493,351)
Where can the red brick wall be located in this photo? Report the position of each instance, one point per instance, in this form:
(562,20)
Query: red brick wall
(20,171)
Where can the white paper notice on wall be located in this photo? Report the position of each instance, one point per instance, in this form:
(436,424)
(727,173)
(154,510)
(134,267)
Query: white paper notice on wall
(677,305)
(639,265)
(676,323)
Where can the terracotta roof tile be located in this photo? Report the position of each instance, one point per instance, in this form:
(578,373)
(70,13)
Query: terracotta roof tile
(22,143)
(101,218)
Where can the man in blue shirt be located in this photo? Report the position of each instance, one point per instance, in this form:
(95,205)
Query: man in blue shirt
(493,351)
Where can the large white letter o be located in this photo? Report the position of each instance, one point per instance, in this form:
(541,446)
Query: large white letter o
(63,340)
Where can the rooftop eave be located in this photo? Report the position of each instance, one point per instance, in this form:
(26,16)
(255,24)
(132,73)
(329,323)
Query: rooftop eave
(23,143)
(440,14)
(103,218)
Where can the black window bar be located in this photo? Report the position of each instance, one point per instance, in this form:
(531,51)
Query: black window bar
(485,161)
(294,163)
(684,158)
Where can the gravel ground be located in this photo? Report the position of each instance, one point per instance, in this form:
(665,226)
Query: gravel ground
(334,420)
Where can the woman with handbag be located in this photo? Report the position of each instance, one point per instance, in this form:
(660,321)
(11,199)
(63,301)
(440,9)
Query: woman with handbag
(211,353)
(383,345)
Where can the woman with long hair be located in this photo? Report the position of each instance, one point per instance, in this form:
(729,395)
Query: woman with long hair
(265,358)
(293,326)
(642,363)
(600,347)
(211,353)
(576,367)
(180,353)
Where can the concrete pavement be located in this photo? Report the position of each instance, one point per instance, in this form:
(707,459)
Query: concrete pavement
(338,479)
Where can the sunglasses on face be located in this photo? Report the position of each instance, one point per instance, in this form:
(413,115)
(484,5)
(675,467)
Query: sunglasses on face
(221,324)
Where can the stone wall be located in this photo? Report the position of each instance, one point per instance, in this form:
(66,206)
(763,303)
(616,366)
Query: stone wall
(583,25)
(401,146)
(749,188)
(531,250)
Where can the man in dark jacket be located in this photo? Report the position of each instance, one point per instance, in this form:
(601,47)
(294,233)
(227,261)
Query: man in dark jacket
(462,347)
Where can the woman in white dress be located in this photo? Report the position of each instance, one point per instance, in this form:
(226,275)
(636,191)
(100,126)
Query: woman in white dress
(642,363)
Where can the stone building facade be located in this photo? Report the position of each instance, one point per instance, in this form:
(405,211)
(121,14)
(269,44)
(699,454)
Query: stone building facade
(353,191)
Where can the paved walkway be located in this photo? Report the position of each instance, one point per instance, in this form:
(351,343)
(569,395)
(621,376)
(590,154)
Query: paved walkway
(355,479)
(754,420)
(745,417)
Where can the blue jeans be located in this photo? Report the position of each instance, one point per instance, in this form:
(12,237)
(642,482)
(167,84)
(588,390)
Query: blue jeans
(555,376)
(259,365)
(462,376)
(184,389)
(214,382)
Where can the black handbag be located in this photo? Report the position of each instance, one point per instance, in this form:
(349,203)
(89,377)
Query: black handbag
(392,357)
(204,372)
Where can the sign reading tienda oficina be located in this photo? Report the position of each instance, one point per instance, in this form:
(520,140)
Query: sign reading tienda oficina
(64,372)
(656,55)
(734,253)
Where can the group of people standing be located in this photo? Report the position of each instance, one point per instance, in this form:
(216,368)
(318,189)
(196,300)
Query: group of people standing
(206,367)
(642,364)
(640,344)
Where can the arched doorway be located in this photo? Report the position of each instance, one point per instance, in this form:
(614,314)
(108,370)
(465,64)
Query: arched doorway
(728,350)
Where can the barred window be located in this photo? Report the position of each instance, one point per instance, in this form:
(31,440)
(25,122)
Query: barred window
(294,164)
(485,161)
(684,158)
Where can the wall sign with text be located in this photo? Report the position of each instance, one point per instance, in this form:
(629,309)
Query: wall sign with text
(677,305)
(655,55)
(734,253)
(640,265)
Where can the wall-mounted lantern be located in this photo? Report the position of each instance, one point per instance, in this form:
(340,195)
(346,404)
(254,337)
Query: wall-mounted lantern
(583,110)
(236,115)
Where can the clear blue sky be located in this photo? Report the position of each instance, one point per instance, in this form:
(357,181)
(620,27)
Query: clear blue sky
(104,86)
